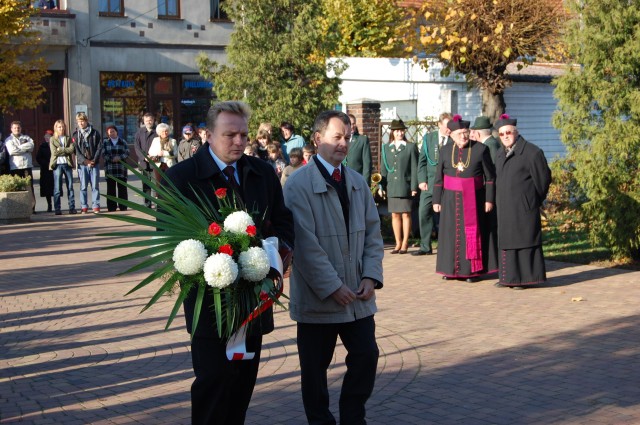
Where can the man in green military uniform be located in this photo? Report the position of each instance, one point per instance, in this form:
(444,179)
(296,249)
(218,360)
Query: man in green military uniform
(427,163)
(359,156)
(482,129)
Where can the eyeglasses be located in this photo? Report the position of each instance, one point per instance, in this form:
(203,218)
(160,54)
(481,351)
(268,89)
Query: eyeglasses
(506,133)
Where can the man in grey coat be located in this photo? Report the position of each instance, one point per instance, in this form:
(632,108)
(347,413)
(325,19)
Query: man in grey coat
(336,270)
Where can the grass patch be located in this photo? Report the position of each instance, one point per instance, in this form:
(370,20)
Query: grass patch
(566,238)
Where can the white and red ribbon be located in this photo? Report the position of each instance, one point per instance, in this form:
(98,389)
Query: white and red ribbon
(237,346)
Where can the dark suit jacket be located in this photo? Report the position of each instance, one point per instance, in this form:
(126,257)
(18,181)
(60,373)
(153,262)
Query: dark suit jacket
(522,183)
(359,156)
(262,192)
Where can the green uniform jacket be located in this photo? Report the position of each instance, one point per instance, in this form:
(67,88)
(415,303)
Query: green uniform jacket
(400,173)
(428,159)
(493,144)
(359,156)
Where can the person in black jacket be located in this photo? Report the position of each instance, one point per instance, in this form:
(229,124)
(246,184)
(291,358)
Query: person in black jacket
(43,157)
(88,143)
(522,182)
(142,143)
(222,389)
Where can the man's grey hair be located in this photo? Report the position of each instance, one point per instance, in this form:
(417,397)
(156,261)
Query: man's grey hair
(484,131)
(322,120)
(231,106)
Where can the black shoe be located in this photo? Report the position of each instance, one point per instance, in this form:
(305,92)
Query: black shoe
(73,211)
(499,285)
(402,251)
(472,279)
(58,212)
(445,278)
(421,252)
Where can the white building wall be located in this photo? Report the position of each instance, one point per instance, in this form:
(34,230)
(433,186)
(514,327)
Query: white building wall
(423,95)
(533,105)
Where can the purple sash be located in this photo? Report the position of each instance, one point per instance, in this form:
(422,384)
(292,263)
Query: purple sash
(468,187)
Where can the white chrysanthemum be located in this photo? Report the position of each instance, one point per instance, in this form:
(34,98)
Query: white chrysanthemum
(220,270)
(254,264)
(189,257)
(237,222)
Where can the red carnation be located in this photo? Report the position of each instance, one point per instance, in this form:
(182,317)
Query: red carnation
(504,117)
(214,229)
(251,231)
(221,193)
(226,249)
(457,118)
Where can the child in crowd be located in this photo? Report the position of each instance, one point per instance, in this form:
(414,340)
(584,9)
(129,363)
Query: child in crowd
(295,162)
(275,158)
(307,152)
(263,140)
(251,149)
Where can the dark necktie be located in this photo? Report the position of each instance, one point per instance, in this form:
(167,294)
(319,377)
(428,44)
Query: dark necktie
(442,140)
(229,171)
(336,175)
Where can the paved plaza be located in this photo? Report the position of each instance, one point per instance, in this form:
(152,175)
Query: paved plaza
(75,350)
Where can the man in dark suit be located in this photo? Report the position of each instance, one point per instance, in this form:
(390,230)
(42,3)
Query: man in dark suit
(359,156)
(142,143)
(427,163)
(222,389)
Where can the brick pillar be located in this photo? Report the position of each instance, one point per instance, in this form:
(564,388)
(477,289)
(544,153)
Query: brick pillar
(367,113)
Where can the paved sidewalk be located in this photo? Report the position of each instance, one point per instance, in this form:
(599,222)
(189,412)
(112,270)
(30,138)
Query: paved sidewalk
(75,350)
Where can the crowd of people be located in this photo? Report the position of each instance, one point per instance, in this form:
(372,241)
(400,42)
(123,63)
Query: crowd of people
(59,154)
(480,197)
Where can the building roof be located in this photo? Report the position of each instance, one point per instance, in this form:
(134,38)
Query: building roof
(539,72)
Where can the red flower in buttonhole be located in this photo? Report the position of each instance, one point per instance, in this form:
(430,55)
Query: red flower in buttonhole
(251,231)
(221,193)
(214,229)
(226,249)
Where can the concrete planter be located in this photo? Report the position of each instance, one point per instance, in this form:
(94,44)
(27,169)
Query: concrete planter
(15,207)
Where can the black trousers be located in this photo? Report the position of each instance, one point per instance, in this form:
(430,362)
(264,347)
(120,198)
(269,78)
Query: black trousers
(222,390)
(122,194)
(145,187)
(316,344)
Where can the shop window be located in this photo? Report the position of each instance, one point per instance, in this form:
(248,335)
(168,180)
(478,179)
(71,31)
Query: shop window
(169,9)
(111,7)
(217,12)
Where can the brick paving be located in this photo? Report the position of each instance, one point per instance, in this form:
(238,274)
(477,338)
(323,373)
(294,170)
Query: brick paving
(75,350)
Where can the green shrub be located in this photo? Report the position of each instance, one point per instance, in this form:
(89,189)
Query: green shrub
(9,183)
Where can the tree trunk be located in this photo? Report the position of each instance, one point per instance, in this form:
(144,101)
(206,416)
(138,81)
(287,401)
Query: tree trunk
(492,104)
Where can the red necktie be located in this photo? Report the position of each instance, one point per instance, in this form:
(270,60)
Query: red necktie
(336,175)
